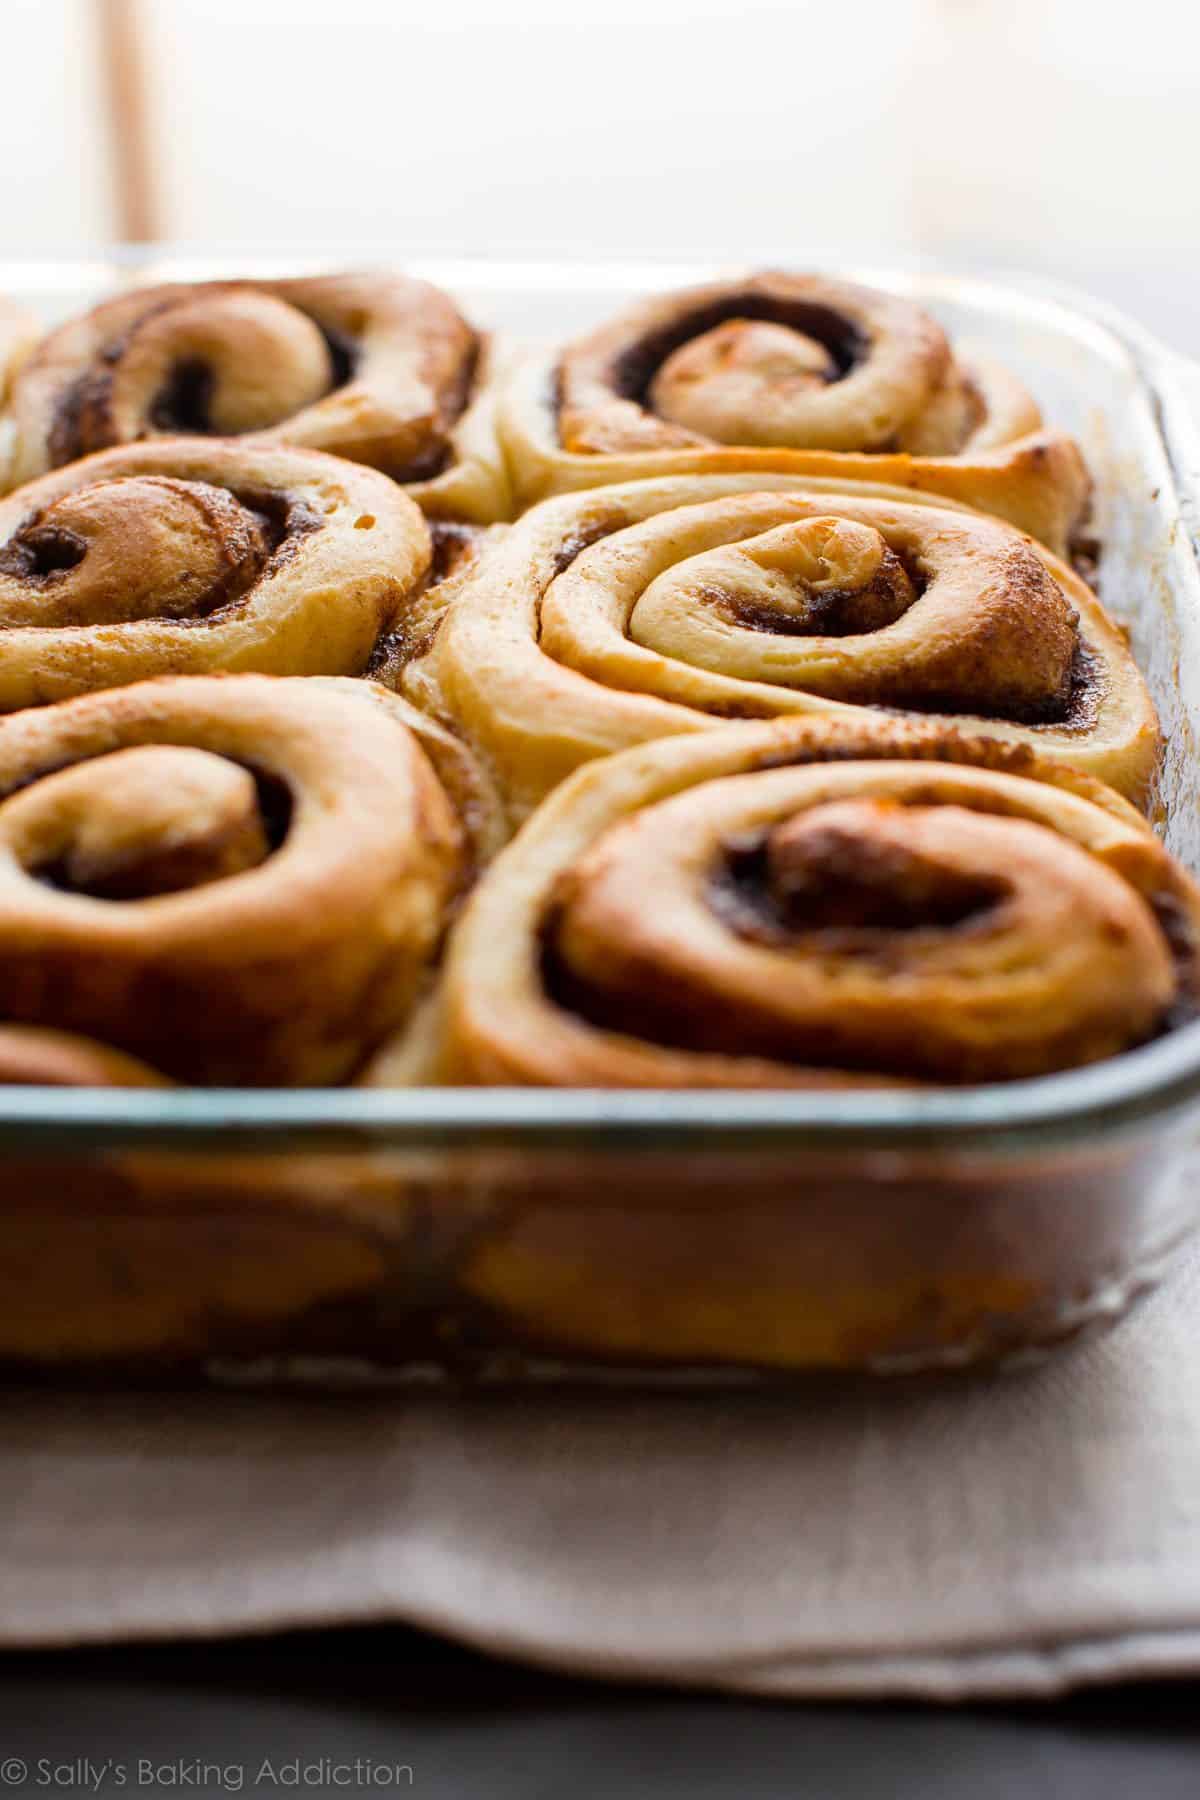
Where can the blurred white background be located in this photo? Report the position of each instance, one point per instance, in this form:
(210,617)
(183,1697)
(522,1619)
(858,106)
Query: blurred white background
(1060,137)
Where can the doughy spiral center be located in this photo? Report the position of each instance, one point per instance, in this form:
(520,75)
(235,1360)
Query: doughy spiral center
(142,547)
(728,383)
(821,577)
(891,934)
(856,868)
(728,606)
(153,819)
(230,362)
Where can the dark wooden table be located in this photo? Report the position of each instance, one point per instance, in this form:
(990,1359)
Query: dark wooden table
(393,1701)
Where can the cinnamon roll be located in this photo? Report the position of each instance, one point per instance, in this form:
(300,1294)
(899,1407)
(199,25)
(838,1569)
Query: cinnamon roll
(377,368)
(819,903)
(660,607)
(234,879)
(801,374)
(190,555)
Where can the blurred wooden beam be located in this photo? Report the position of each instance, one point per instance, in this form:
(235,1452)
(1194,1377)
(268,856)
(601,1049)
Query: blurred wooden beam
(127,110)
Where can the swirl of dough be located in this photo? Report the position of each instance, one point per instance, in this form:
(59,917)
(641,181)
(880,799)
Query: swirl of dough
(236,879)
(819,903)
(657,607)
(190,555)
(799,374)
(378,368)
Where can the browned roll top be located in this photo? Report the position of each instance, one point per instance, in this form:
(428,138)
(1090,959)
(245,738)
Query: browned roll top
(819,903)
(864,934)
(650,608)
(234,879)
(800,374)
(795,361)
(187,555)
(377,368)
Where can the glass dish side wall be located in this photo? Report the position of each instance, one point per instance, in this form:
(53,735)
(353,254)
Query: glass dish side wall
(510,1261)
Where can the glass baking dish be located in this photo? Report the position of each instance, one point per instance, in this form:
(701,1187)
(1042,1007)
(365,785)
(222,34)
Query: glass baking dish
(367,1236)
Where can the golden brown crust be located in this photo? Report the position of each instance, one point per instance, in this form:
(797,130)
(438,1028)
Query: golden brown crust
(659,607)
(188,555)
(236,879)
(815,903)
(797,374)
(374,367)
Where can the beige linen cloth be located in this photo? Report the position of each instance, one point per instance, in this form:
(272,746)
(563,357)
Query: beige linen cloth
(1007,1534)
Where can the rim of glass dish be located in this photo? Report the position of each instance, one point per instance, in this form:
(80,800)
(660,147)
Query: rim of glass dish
(1158,1079)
